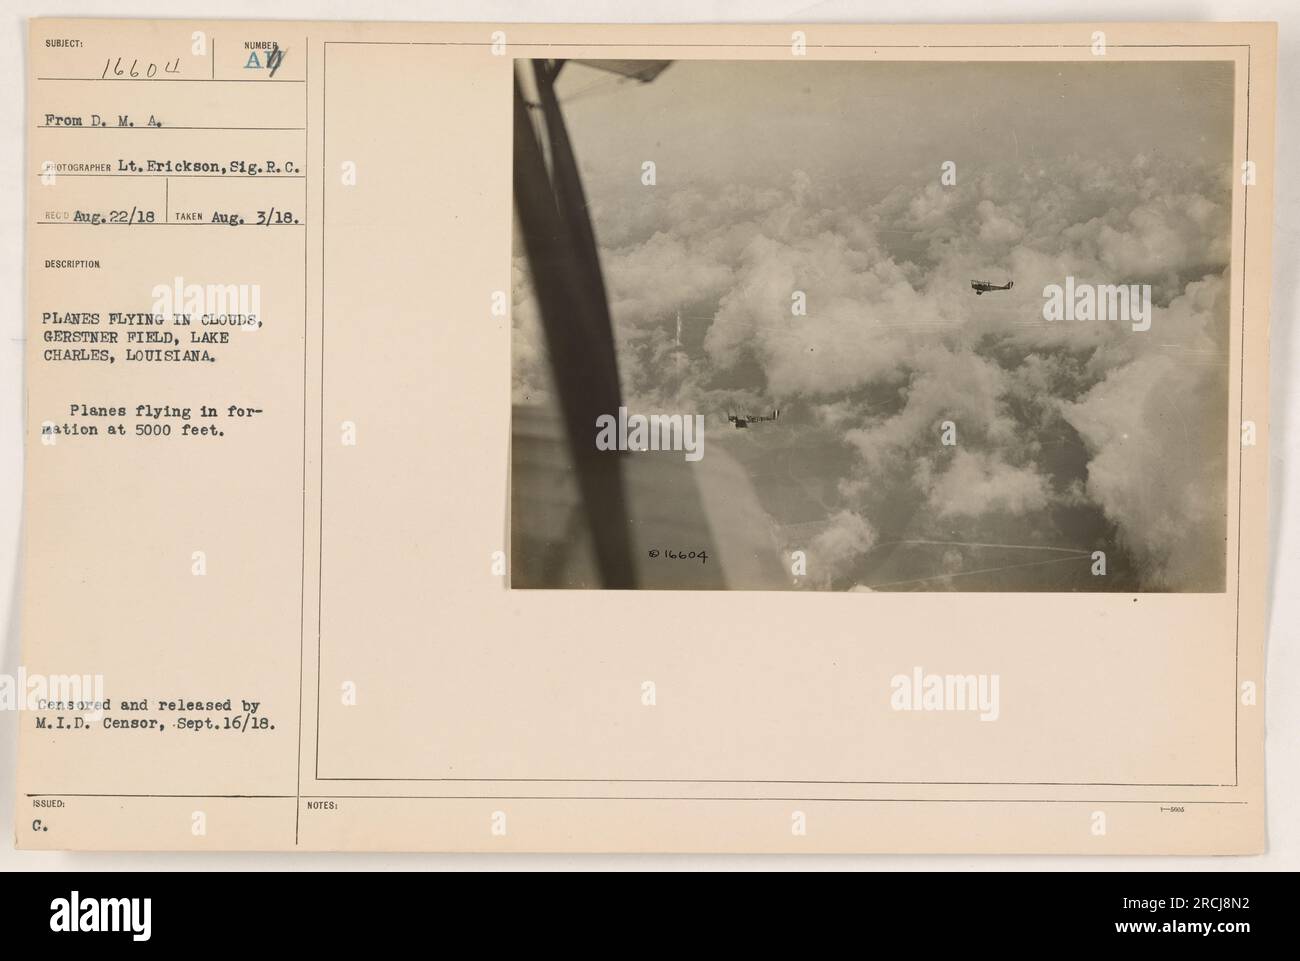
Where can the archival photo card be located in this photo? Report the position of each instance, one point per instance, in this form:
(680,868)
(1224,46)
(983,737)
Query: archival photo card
(659,438)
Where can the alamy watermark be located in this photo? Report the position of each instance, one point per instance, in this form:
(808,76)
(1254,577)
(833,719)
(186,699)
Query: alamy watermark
(1130,303)
(920,691)
(227,305)
(77,914)
(644,432)
(70,693)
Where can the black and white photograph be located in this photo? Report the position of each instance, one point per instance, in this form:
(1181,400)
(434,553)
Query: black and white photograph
(887,326)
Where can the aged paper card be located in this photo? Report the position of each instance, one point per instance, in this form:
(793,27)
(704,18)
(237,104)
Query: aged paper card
(646,438)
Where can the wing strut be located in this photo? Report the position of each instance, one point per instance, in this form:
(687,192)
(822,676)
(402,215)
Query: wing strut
(561,248)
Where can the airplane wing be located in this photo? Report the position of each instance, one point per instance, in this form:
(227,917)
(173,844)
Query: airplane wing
(643,70)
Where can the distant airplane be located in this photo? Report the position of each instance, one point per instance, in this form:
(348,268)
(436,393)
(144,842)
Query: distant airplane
(983,286)
(744,420)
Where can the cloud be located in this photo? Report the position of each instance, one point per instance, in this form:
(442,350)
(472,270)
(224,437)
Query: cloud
(946,386)
(834,550)
(1155,469)
(978,483)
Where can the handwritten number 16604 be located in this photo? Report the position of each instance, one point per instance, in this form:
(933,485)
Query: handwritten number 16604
(117,67)
(701,556)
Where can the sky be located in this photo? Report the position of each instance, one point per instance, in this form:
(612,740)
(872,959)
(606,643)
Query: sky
(825,178)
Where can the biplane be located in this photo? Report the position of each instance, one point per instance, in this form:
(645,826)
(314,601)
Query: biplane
(984,286)
(744,420)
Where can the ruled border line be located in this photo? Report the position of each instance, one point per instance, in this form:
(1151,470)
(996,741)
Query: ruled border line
(1241,406)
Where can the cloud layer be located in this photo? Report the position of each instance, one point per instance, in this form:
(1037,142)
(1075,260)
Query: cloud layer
(1076,435)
